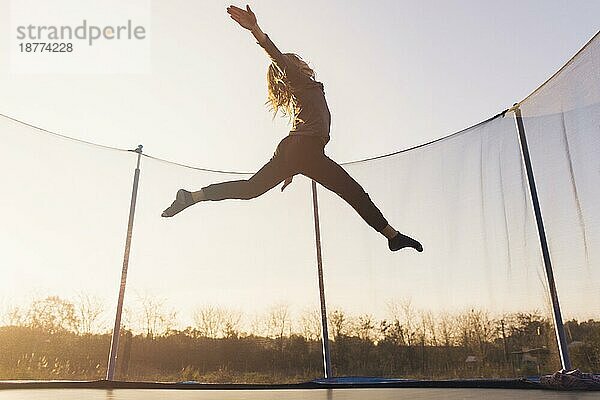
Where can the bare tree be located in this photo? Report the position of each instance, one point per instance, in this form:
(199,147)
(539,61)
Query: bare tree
(89,310)
(128,318)
(310,324)
(52,315)
(365,327)
(340,324)
(477,330)
(156,319)
(428,327)
(410,321)
(407,317)
(446,328)
(14,316)
(232,323)
(214,322)
(278,321)
(392,328)
(393,331)
(208,321)
(258,325)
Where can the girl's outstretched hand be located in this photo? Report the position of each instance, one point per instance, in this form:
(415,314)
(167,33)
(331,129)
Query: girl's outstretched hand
(245,18)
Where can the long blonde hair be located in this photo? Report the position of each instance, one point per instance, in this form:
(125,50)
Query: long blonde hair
(280,96)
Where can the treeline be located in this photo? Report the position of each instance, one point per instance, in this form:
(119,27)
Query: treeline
(54,338)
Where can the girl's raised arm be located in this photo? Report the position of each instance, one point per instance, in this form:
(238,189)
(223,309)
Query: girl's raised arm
(247,19)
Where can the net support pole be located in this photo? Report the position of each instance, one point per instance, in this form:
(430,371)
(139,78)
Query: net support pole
(558,321)
(325,331)
(114,344)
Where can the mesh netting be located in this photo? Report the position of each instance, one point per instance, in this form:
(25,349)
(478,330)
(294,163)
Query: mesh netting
(562,121)
(465,197)
(227,291)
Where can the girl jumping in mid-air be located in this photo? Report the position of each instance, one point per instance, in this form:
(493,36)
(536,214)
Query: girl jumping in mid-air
(293,90)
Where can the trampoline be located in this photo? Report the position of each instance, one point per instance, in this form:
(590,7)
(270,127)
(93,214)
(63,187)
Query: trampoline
(320,394)
(483,301)
(464,390)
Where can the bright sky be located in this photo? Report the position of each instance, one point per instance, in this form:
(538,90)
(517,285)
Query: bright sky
(396,74)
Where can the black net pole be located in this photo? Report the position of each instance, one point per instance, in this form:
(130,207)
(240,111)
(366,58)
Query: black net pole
(325,331)
(558,321)
(114,345)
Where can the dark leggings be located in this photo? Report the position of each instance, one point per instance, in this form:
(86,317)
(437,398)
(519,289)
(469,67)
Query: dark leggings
(300,154)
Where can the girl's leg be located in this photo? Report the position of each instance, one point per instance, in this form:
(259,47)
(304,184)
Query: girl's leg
(332,176)
(271,174)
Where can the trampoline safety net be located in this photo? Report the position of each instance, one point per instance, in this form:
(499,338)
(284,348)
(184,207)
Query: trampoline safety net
(228,291)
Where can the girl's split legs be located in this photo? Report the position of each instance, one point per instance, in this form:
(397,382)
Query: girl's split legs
(306,156)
